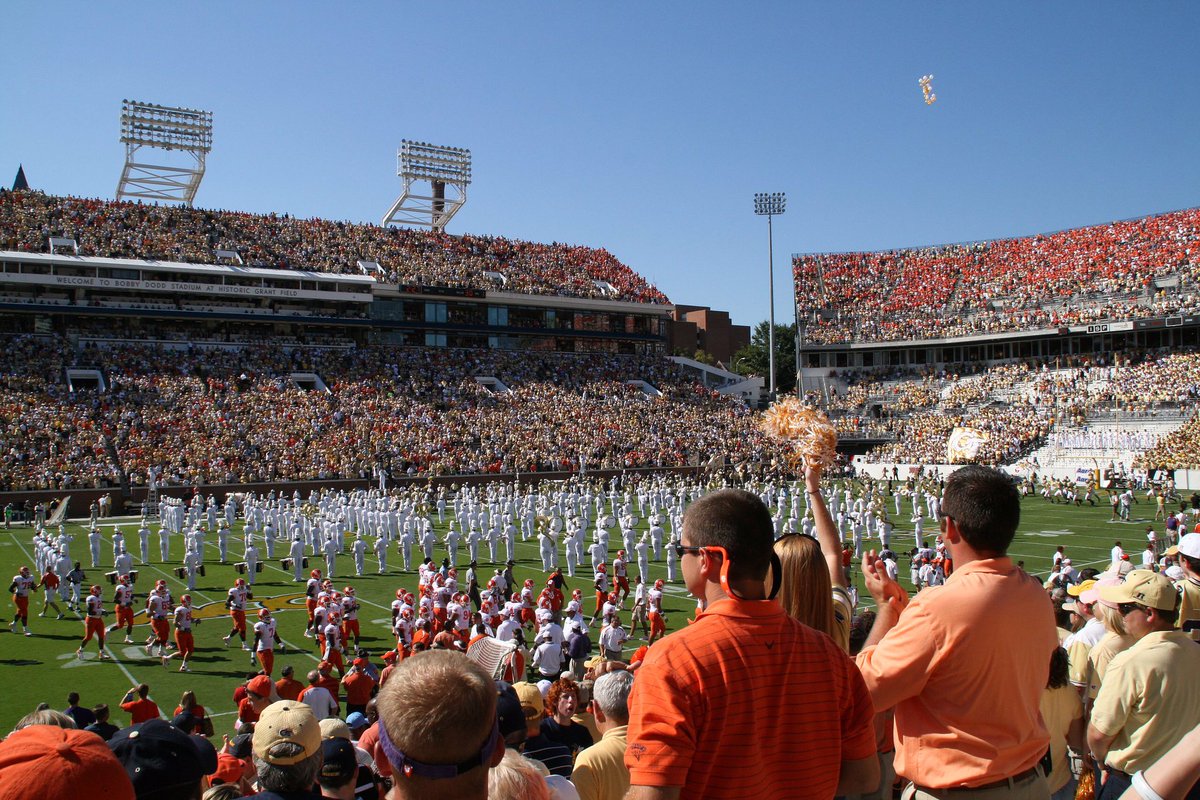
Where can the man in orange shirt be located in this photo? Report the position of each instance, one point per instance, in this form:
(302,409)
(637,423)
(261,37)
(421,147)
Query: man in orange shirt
(359,687)
(142,708)
(964,664)
(697,725)
(287,687)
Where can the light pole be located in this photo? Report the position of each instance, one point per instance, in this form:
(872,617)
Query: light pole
(770,204)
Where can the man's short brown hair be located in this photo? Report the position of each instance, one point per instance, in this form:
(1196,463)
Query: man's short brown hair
(438,707)
(737,521)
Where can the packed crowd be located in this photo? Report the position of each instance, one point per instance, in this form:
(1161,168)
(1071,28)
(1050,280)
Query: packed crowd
(173,233)
(921,410)
(1070,277)
(922,438)
(212,416)
(1179,449)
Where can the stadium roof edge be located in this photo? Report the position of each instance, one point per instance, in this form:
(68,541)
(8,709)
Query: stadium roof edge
(898,248)
(564,301)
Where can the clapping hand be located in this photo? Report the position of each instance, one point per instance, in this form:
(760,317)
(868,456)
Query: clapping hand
(885,591)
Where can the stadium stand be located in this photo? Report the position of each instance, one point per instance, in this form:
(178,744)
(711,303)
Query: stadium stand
(1122,270)
(1076,415)
(111,229)
(220,416)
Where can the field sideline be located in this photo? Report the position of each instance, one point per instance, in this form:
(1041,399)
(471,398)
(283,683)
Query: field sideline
(44,667)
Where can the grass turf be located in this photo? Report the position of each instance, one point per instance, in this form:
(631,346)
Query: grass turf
(43,668)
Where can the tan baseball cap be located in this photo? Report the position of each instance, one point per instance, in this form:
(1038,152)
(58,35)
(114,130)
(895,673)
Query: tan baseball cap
(284,722)
(1189,545)
(1145,588)
(531,699)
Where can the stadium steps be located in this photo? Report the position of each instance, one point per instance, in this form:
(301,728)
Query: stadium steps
(1062,462)
(309,382)
(492,384)
(111,449)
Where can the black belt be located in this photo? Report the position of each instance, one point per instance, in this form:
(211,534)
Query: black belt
(1120,772)
(1018,778)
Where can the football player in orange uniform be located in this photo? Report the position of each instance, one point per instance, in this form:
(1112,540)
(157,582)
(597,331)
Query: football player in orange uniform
(93,621)
(236,603)
(22,584)
(123,602)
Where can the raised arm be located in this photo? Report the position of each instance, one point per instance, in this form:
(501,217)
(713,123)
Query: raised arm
(827,532)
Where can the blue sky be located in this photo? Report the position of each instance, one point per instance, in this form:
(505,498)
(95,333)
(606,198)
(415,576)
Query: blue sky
(645,128)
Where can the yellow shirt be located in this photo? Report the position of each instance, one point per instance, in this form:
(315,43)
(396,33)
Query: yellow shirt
(843,613)
(600,772)
(1150,698)
(1189,610)
(1102,655)
(1060,707)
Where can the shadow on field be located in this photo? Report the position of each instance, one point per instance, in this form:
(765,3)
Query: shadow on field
(19,662)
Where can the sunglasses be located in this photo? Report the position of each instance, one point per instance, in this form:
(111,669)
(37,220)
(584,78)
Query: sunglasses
(680,549)
(1126,608)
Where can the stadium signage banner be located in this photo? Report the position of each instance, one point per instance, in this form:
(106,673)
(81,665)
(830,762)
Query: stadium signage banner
(225,290)
(1102,327)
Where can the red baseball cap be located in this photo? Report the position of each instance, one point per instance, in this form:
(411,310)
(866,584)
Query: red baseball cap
(53,763)
(260,685)
(230,769)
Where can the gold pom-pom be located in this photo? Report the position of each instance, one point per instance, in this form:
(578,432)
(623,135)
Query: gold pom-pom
(811,434)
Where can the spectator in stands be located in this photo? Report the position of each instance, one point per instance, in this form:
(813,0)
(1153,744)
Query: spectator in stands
(234,772)
(163,761)
(813,589)
(133,230)
(517,778)
(287,752)
(287,687)
(600,772)
(559,727)
(45,716)
(102,727)
(1062,711)
(818,741)
(318,698)
(556,756)
(359,686)
(339,772)
(1131,728)
(48,762)
(928,659)
(82,716)
(1188,554)
(141,709)
(438,727)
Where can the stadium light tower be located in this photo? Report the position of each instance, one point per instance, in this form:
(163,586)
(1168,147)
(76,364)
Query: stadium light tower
(443,168)
(187,131)
(769,205)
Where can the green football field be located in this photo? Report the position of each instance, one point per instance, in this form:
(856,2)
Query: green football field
(43,668)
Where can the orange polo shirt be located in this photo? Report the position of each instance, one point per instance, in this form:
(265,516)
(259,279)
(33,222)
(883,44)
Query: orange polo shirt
(964,669)
(747,703)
